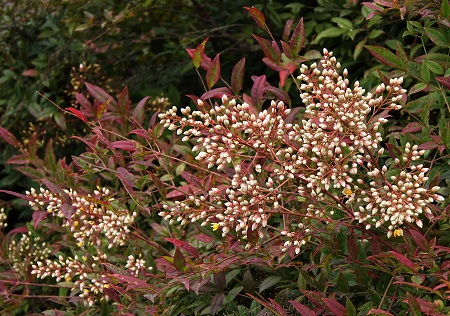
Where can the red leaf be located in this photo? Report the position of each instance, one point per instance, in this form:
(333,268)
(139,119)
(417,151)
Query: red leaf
(19,230)
(213,73)
(403,260)
(428,145)
(291,116)
(126,145)
(56,190)
(373,6)
(258,17)
(184,245)
(287,30)
(39,216)
(204,238)
(279,94)
(353,249)
(334,306)
(158,184)
(198,54)
(315,297)
(437,139)
(386,3)
(68,210)
(412,127)
(217,302)
(9,137)
(99,94)
(194,98)
(237,76)
(298,38)
(131,282)
(445,81)
(419,239)
(22,159)
(258,89)
(277,307)
(127,179)
(418,286)
(77,114)
(379,312)
(272,65)
(181,191)
(29,73)
(302,309)
(217,93)
(394,151)
(191,179)
(139,111)
(124,101)
(268,49)
(86,106)
(375,246)
(287,50)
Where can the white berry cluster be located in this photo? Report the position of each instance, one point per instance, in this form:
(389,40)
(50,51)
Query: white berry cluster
(90,281)
(91,218)
(134,265)
(28,248)
(230,136)
(3,218)
(266,163)
(395,199)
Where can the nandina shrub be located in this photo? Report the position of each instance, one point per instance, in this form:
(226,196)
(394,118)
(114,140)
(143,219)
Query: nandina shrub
(238,204)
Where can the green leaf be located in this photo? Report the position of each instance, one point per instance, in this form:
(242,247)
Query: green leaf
(350,308)
(102,109)
(197,56)
(343,23)
(436,36)
(298,38)
(269,282)
(213,73)
(342,284)
(237,76)
(258,16)
(248,283)
(301,282)
(359,48)
(417,88)
(384,55)
(232,294)
(375,33)
(49,156)
(268,49)
(402,57)
(445,9)
(425,72)
(178,260)
(329,32)
(231,275)
(353,33)
(433,67)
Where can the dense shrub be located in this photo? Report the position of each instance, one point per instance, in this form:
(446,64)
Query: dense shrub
(294,192)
